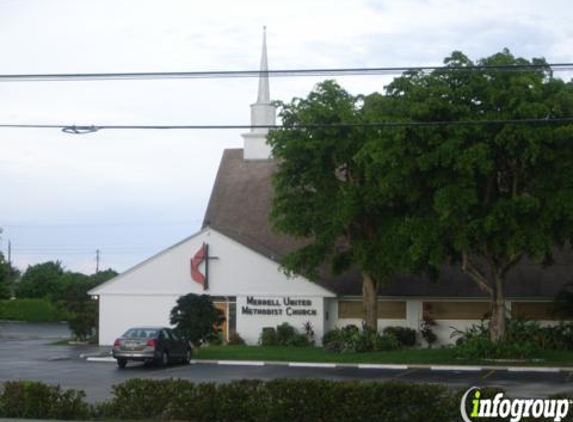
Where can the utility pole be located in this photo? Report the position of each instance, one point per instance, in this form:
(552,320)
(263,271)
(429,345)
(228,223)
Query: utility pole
(97,261)
(9,252)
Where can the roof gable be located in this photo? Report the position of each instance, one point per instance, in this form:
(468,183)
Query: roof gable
(234,270)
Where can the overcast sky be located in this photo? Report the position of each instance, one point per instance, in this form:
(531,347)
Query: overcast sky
(133,193)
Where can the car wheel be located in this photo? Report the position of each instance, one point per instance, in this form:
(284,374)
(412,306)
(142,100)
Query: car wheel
(122,363)
(187,357)
(164,359)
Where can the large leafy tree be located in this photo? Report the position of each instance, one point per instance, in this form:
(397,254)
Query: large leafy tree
(82,309)
(41,280)
(102,276)
(325,195)
(487,195)
(8,276)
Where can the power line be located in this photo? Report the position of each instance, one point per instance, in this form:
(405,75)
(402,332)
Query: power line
(77,248)
(100,224)
(226,74)
(87,253)
(79,130)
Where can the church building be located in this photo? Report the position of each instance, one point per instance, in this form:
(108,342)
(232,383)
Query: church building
(235,259)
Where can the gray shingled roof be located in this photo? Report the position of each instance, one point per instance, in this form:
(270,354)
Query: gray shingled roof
(240,204)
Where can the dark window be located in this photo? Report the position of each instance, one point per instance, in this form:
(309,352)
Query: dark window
(457,310)
(223,298)
(232,318)
(140,333)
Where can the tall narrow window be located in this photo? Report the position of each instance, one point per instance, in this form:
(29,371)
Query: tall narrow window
(232,318)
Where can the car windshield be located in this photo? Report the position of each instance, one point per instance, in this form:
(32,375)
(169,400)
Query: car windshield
(141,333)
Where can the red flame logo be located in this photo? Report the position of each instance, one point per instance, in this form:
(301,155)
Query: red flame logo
(197,259)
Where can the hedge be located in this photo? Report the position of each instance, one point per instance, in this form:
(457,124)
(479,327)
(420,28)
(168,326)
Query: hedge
(30,399)
(31,310)
(282,400)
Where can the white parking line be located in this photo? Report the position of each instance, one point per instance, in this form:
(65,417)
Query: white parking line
(90,355)
(456,368)
(532,369)
(96,359)
(311,365)
(241,362)
(382,366)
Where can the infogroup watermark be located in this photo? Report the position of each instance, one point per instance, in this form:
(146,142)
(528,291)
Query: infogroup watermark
(512,409)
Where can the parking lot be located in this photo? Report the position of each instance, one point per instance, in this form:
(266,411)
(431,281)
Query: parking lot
(27,352)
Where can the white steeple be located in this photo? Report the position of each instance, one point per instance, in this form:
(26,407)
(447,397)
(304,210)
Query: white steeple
(264,95)
(263,113)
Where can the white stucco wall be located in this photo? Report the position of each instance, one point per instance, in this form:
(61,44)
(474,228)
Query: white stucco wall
(146,293)
(120,312)
(331,307)
(444,329)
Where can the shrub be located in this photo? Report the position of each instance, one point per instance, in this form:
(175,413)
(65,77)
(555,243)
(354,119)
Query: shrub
(268,337)
(475,330)
(279,400)
(31,310)
(561,335)
(427,329)
(332,341)
(387,342)
(83,320)
(553,337)
(284,335)
(196,319)
(405,336)
(341,340)
(485,348)
(523,339)
(235,339)
(309,332)
(350,339)
(28,399)
(282,400)
(143,399)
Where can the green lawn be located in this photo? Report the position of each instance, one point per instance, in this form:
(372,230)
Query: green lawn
(441,356)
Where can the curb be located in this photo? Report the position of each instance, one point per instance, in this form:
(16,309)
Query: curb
(394,367)
(93,355)
(468,368)
(100,359)
(534,369)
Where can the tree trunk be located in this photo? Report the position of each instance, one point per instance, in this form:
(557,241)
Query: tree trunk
(491,281)
(370,299)
(497,321)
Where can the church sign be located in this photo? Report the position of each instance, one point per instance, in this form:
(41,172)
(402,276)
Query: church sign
(278,307)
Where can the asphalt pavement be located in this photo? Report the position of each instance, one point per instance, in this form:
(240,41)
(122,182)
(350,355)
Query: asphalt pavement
(27,353)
